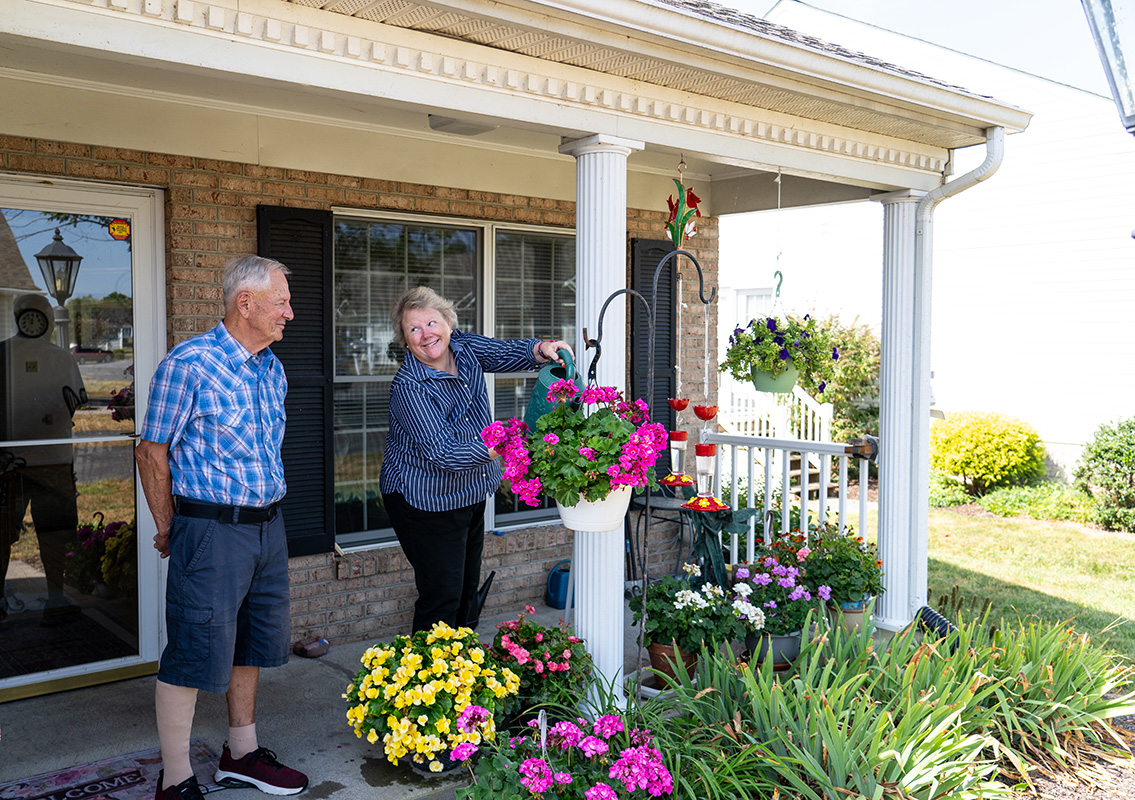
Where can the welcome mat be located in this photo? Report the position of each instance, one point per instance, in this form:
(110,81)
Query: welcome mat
(131,777)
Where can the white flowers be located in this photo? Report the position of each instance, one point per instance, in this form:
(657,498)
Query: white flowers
(692,570)
(711,594)
(686,599)
(753,617)
(743,589)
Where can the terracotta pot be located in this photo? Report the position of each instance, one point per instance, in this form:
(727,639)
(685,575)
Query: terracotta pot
(598,515)
(850,615)
(663,658)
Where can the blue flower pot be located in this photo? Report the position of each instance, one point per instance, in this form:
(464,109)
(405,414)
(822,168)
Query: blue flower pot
(857,605)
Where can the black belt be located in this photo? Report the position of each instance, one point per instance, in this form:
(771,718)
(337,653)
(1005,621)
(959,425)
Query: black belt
(238,515)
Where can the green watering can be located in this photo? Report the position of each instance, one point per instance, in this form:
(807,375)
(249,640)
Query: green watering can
(538,404)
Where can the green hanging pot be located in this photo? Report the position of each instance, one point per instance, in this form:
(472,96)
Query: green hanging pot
(765,382)
(553,371)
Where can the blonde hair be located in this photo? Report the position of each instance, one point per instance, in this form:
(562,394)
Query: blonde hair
(413,299)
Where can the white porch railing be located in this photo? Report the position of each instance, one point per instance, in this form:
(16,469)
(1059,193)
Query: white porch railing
(751,459)
(796,415)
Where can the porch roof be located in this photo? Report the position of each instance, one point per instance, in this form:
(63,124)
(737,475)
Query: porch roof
(280,83)
(712,51)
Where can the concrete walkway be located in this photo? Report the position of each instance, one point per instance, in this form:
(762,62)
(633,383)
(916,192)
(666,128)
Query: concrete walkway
(301,716)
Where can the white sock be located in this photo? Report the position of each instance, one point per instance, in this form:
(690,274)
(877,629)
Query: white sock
(242,740)
(175,706)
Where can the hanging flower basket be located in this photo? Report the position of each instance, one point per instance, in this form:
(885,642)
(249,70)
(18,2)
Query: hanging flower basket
(766,382)
(597,515)
(781,346)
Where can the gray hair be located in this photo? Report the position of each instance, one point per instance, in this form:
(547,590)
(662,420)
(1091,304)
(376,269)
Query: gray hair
(419,297)
(248,272)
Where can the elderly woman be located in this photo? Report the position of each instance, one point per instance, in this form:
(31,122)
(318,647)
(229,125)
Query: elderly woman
(436,472)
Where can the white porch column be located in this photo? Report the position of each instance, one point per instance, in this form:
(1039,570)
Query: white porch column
(904,416)
(600,267)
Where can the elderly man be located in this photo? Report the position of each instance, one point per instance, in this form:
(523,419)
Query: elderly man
(210,466)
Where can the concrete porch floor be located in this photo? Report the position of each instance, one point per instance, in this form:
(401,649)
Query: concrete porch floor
(301,716)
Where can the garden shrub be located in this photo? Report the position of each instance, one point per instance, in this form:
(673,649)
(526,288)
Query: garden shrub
(986,450)
(945,491)
(1048,500)
(854,389)
(1107,473)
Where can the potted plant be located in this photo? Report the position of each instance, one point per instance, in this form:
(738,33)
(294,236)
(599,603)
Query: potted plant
(774,586)
(603,760)
(772,351)
(83,561)
(552,664)
(120,557)
(581,454)
(678,620)
(849,567)
(427,693)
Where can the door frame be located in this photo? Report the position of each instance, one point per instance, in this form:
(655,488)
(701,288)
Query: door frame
(144,206)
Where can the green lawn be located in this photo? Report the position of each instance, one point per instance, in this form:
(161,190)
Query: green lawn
(1057,571)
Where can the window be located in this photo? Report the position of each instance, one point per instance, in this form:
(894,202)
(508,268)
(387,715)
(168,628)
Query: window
(535,291)
(512,282)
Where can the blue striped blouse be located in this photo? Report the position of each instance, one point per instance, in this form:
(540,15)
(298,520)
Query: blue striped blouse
(434,454)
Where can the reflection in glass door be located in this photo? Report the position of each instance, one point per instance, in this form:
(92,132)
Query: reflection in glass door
(69,562)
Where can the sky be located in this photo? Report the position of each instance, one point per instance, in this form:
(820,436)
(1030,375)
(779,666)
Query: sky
(1009,254)
(1049,38)
(105,267)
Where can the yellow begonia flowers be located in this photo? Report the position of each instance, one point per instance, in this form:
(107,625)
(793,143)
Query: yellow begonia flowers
(395,697)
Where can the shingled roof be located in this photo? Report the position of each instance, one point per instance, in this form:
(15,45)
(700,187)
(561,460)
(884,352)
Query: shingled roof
(14,272)
(739,19)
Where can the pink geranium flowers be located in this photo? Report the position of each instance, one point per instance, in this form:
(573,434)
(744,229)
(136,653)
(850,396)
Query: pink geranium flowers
(608,763)
(586,451)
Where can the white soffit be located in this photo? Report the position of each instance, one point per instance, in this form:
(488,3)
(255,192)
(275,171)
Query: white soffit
(711,51)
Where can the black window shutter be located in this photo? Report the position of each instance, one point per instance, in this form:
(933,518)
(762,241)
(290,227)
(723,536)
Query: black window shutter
(301,240)
(645,257)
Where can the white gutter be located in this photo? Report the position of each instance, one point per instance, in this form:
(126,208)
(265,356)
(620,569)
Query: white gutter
(924,238)
(920,402)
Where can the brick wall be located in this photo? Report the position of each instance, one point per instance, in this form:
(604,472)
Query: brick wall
(210,215)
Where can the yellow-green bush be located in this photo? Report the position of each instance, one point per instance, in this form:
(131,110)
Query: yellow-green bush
(986,450)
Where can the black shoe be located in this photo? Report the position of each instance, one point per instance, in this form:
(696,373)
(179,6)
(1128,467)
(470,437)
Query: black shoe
(188,789)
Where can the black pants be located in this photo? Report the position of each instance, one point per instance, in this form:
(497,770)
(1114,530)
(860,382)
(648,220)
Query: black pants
(444,548)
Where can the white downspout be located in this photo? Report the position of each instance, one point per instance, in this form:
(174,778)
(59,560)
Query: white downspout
(923,263)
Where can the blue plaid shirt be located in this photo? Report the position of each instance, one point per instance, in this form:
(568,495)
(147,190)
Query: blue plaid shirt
(221,410)
(434,454)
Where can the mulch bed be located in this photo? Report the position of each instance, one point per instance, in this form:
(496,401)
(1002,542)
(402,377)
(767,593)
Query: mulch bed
(1116,781)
